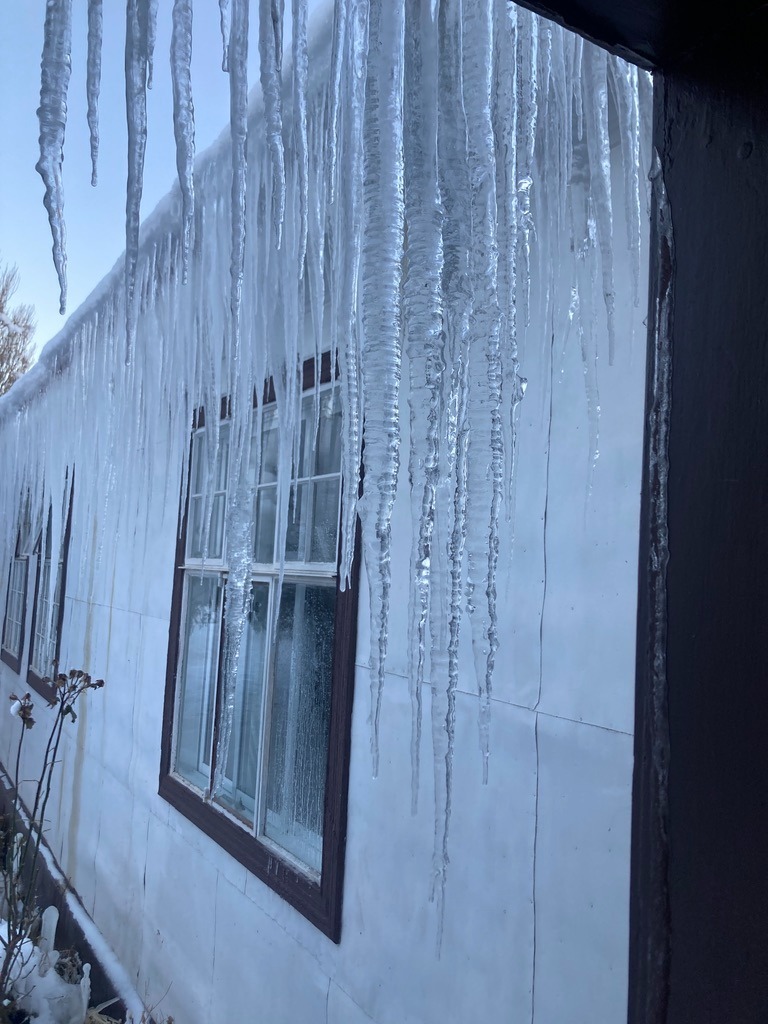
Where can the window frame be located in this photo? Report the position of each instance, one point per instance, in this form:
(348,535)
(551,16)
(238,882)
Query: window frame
(39,683)
(7,656)
(319,901)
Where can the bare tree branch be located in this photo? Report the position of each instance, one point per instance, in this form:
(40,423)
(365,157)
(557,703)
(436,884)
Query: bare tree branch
(17,326)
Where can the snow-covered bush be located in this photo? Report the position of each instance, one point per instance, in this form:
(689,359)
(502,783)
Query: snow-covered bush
(29,981)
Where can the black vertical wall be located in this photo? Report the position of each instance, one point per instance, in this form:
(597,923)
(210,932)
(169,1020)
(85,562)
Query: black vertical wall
(699,915)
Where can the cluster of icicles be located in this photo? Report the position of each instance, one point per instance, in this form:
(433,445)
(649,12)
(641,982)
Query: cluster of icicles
(385,201)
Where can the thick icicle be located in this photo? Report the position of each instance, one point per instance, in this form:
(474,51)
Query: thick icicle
(224,24)
(55,66)
(350,171)
(238,93)
(422,308)
(136,114)
(184,118)
(93,82)
(270,52)
(484,407)
(382,348)
(599,149)
(151,16)
(300,64)
(337,64)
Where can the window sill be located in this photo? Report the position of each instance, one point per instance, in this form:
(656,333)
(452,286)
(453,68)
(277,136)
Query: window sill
(45,690)
(12,662)
(313,900)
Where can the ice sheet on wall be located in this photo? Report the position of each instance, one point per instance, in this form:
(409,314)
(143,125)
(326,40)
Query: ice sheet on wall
(391,198)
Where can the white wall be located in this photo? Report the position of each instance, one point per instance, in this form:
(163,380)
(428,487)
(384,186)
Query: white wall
(536,914)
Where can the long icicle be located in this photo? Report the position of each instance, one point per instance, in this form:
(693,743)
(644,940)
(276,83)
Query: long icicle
(422,314)
(93,81)
(136,115)
(270,52)
(55,67)
(184,119)
(382,327)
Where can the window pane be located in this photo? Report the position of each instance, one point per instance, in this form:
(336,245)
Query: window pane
(296,535)
(44,638)
(328,451)
(269,449)
(239,793)
(15,607)
(325,520)
(300,716)
(216,537)
(195,543)
(202,630)
(266,510)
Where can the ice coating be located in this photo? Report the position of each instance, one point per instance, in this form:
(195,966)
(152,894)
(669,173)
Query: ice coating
(381,364)
(300,68)
(184,118)
(56,66)
(434,171)
(93,80)
(224,24)
(136,117)
(238,124)
(422,313)
(271,54)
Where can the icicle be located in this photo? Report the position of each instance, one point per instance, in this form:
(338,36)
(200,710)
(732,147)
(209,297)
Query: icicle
(270,51)
(381,363)
(184,118)
(351,172)
(300,64)
(337,64)
(224,23)
(623,79)
(422,302)
(238,64)
(94,80)
(484,408)
(55,65)
(151,16)
(136,112)
(599,149)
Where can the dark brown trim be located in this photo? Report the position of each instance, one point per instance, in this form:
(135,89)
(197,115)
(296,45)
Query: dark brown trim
(38,683)
(320,903)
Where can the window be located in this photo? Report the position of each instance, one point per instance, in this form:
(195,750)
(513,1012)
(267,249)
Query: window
(45,634)
(281,809)
(16,596)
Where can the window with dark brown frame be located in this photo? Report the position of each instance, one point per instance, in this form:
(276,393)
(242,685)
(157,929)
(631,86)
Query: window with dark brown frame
(47,618)
(14,619)
(280,805)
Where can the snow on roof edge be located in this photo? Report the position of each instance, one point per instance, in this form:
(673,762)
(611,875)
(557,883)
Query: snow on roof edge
(57,353)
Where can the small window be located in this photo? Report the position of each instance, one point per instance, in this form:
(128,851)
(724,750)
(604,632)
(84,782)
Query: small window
(47,616)
(16,596)
(281,808)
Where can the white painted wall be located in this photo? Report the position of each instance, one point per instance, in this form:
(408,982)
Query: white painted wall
(536,918)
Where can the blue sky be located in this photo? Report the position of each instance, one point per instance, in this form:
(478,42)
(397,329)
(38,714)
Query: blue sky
(94,216)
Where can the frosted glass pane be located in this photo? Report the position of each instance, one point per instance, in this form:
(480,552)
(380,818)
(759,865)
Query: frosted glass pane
(239,792)
(269,450)
(202,629)
(195,532)
(216,535)
(296,535)
(222,460)
(264,537)
(325,520)
(328,450)
(301,703)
